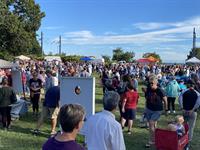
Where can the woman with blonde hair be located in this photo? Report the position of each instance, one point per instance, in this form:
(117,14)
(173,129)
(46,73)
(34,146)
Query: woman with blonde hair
(155,97)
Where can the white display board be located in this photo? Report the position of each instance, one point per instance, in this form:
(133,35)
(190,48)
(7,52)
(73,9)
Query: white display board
(87,93)
(16,81)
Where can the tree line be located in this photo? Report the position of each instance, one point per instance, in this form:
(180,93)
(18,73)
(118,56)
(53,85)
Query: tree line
(120,55)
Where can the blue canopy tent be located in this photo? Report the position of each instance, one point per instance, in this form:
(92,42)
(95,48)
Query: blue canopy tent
(86,58)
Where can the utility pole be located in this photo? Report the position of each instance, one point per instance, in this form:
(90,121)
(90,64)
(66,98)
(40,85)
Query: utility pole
(42,43)
(60,45)
(194,39)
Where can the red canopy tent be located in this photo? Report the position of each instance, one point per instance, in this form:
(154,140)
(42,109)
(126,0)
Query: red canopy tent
(145,60)
(153,59)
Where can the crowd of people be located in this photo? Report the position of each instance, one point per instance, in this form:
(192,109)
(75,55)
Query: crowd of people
(163,84)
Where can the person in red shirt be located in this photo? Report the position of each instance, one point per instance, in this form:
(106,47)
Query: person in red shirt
(129,106)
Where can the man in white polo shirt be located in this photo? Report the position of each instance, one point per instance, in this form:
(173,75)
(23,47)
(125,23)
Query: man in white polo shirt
(103,132)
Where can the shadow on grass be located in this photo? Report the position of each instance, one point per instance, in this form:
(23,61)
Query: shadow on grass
(29,122)
(28,117)
(29,131)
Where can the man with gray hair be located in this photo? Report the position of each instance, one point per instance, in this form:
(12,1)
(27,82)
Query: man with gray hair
(102,131)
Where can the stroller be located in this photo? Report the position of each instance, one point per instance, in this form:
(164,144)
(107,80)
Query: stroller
(169,140)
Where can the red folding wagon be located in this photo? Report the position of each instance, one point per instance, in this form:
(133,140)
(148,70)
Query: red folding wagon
(169,140)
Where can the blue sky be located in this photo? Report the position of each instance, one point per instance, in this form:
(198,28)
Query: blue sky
(96,27)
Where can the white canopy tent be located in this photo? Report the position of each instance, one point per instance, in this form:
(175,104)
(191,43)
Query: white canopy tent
(22,57)
(98,61)
(6,64)
(193,60)
(52,58)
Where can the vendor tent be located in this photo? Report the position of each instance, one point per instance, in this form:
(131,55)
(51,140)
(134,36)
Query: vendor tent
(193,60)
(52,58)
(98,61)
(22,57)
(86,58)
(153,59)
(6,64)
(144,60)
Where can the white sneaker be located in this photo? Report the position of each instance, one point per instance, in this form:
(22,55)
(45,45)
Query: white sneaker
(168,112)
(174,111)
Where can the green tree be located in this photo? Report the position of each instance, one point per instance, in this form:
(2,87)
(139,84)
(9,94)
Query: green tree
(128,56)
(154,55)
(19,21)
(195,52)
(119,55)
(106,59)
(29,13)
(71,58)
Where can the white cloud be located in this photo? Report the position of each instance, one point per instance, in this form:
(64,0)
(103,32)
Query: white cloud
(52,28)
(160,25)
(79,34)
(110,33)
(150,25)
(181,31)
(165,38)
(87,38)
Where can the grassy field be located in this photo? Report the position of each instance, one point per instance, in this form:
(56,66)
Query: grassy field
(21,138)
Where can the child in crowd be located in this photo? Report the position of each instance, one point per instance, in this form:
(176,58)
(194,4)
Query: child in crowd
(177,126)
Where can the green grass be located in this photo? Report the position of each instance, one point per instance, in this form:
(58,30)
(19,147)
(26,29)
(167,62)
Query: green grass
(21,138)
